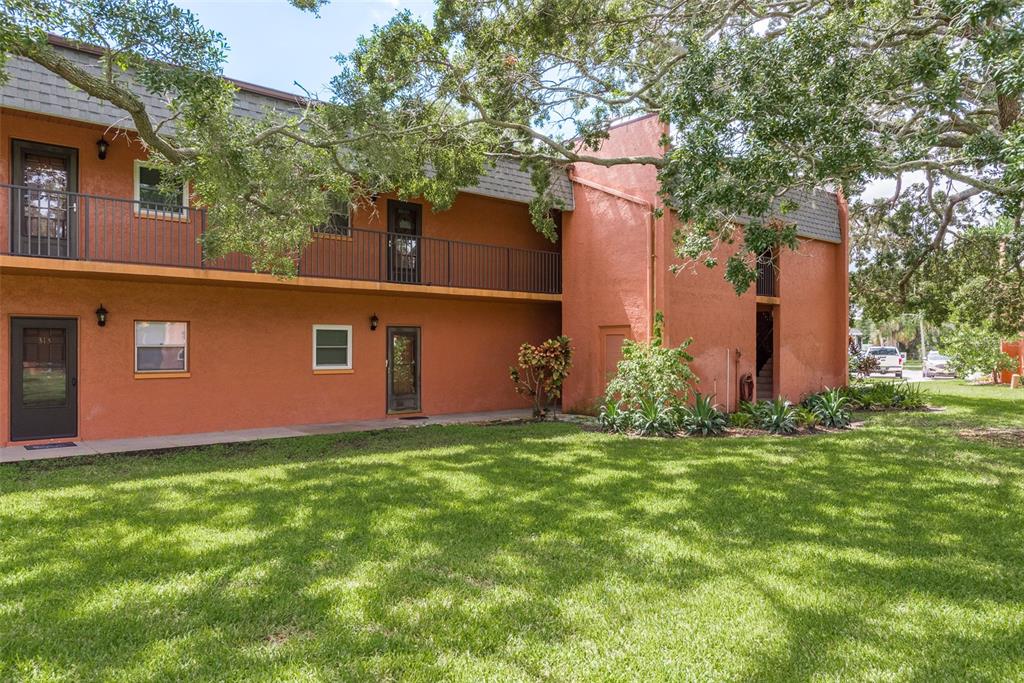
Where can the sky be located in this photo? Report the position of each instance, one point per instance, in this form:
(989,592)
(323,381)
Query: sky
(274,44)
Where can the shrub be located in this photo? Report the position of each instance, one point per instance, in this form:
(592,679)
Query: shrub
(887,396)
(741,420)
(703,417)
(777,417)
(542,371)
(612,418)
(806,418)
(651,383)
(977,349)
(831,407)
(653,418)
(863,364)
(910,396)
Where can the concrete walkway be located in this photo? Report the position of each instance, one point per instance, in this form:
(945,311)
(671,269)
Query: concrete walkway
(152,443)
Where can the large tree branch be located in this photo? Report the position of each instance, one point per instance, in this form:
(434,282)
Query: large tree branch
(106,90)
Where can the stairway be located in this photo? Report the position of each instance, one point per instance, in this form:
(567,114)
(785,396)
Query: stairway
(764,382)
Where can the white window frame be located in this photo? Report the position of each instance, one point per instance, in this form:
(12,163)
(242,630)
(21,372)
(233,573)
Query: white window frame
(137,189)
(136,346)
(347,328)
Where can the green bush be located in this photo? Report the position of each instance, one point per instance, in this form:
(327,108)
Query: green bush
(612,418)
(653,418)
(977,349)
(777,417)
(703,417)
(806,418)
(896,395)
(831,407)
(651,384)
(742,420)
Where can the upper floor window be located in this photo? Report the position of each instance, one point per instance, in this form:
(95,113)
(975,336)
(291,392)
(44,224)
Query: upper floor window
(152,194)
(340,222)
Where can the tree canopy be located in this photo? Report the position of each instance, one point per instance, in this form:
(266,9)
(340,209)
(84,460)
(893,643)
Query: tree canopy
(759,97)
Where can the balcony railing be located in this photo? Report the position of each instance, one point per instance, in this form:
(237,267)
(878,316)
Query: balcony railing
(61,225)
(767,275)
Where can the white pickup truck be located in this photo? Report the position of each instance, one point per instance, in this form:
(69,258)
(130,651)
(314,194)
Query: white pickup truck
(890,360)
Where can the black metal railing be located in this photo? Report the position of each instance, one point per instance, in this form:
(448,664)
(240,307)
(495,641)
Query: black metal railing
(52,224)
(767,275)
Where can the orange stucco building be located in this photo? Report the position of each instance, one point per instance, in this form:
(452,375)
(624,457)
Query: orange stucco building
(116,325)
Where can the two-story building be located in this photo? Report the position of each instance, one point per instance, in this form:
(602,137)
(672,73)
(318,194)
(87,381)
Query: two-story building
(115,323)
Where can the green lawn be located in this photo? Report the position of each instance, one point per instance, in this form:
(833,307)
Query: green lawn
(891,552)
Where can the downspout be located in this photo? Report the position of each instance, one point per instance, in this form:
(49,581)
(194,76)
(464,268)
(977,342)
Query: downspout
(651,261)
(651,232)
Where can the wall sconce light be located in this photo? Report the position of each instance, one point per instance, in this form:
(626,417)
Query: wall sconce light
(374,321)
(101,147)
(101,316)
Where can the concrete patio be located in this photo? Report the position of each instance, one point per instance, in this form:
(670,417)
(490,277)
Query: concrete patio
(153,443)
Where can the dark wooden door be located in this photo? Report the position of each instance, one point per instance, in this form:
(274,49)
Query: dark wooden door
(44,378)
(44,208)
(404,231)
(403,369)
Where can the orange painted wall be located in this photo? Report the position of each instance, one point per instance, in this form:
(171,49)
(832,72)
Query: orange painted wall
(606,282)
(1015,349)
(699,303)
(250,353)
(604,285)
(639,137)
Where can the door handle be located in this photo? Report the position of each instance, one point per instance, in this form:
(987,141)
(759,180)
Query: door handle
(74,381)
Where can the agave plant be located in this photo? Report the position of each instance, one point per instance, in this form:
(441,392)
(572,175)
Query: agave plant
(703,417)
(741,420)
(612,418)
(653,418)
(778,416)
(806,418)
(831,407)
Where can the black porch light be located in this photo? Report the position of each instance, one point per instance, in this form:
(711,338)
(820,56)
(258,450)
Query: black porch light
(101,148)
(374,321)
(101,316)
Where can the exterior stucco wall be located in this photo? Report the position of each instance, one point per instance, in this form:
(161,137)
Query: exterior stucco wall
(699,303)
(812,319)
(604,285)
(250,353)
(639,137)
(607,254)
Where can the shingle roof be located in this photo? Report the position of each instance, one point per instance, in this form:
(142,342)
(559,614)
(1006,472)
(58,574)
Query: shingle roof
(32,88)
(816,215)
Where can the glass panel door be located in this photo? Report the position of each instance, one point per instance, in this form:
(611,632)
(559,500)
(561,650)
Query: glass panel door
(44,382)
(403,369)
(404,231)
(45,206)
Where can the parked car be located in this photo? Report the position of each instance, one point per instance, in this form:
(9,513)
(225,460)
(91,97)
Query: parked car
(890,360)
(937,365)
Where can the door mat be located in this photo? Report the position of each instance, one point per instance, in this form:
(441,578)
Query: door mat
(415,417)
(47,446)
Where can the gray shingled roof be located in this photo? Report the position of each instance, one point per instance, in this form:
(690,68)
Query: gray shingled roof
(816,216)
(32,88)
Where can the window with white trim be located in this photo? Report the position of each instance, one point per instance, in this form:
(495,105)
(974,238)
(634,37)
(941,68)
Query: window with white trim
(332,347)
(161,346)
(153,195)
